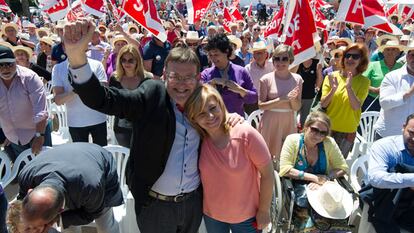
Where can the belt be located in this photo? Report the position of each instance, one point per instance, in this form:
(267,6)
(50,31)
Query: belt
(280,110)
(178,198)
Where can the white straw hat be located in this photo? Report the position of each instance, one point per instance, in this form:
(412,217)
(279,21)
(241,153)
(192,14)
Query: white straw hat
(331,200)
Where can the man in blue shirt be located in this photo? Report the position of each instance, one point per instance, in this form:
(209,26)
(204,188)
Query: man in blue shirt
(386,157)
(154,56)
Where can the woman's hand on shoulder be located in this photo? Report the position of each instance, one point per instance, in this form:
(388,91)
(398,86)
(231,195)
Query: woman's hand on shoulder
(234,119)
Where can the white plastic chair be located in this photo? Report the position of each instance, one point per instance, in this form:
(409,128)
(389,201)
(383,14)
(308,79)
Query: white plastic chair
(5,169)
(254,118)
(23,159)
(366,127)
(62,136)
(358,172)
(48,87)
(110,120)
(124,216)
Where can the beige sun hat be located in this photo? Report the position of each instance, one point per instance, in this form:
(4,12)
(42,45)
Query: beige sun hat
(192,35)
(335,51)
(6,25)
(385,37)
(331,200)
(343,39)
(391,44)
(61,23)
(257,46)
(118,38)
(410,46)
(27,50)
(234,40)
(42,29)
(47,40)
(6,44)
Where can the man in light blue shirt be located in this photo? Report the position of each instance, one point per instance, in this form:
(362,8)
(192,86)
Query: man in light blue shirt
(391,184)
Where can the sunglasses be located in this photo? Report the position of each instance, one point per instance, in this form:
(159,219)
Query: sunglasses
(192,44)
(322,133)
(130,61)
(278,59)
(6,64)
(354,56)
(256,29)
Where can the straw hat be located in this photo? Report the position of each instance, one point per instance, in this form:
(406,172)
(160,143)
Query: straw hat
(118,38)
(233,39)
(47,40)
(410,46)
(331,200)
(61,23)
(13,25)
(335,51)
(405,38)
(343,39)
(6,44)
(385,37)
(132,26)
(42,29)
(391,44)
(27,50)
(192,35)
(257,46)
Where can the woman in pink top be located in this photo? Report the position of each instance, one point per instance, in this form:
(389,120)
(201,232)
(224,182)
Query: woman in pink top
(231,160)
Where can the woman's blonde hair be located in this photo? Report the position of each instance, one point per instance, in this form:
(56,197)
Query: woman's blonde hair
(196,103)
(139,68)
(13,216)
(281,49)
(318,116)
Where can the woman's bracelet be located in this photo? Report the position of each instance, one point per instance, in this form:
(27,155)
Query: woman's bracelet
(301,175)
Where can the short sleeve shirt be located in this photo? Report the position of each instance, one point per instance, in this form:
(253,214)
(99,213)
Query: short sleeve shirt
(157,54)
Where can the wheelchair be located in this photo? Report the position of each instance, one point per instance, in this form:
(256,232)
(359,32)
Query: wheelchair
(283,205)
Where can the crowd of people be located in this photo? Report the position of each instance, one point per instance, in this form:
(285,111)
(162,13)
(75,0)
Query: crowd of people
(180,106)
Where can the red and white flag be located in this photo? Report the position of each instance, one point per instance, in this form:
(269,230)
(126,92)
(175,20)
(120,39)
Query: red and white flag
(4,7)
(196,9)
(114,10)
(145,13)
(274,27)
(46,4)
(369,13)
(94,7)
(320,4)
(300,31)
(392,10)
(59,10)
(236,15)
(75,12)
(227,19)
(408,12)
(249,10)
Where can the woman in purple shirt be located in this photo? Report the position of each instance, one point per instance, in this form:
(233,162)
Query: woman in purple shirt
(232,81)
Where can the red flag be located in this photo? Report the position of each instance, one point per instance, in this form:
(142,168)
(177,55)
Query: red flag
(75,12)
(59,10)
(236,15)
(4,7)
(196,9)
(351,11)
(320,19)
(375,17)
(94,7)
(393,10)
(112,7)
(369,13)
(249,10)
(300,31)
(408,12)
(275,25)
(145,13)
(227,19)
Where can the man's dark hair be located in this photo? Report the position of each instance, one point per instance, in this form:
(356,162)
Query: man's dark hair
(220,42)
(47,213)
(411,116)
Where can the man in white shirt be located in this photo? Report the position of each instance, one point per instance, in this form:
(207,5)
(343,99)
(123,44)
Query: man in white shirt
(396,97)
(82,120)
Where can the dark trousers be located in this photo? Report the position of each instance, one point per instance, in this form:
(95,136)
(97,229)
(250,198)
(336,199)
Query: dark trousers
(169,217)
(3,209)
(375,105)
(98,133)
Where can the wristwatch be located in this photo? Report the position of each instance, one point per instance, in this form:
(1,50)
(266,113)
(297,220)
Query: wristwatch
(37,134)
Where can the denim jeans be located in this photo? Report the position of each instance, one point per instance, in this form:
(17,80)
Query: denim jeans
(215,226)
(3,209)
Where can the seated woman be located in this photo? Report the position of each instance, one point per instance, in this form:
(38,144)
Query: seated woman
(311,157)
(230,163)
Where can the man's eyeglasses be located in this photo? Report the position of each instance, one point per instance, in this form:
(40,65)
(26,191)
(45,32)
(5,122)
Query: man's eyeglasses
(192,44)
(256,29)
(6,64)
(130,61)
(175,78)
(278,59)
(354,56)
(322,133)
